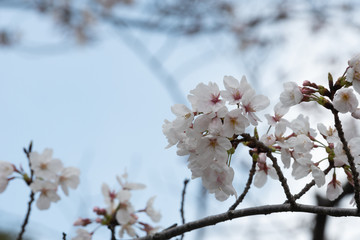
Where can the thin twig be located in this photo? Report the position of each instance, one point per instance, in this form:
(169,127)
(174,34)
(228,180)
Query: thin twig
(310,185)
(186,181)
(252,142)
(64,236)
(260,210)
(26,220)
(350,158)
(282,179)
(247,187)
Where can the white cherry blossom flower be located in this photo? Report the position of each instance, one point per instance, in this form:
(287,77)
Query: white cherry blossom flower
(234,90)
(280,110)
(234,123)
(263,170)
(286,157)
(301,125)
(214,147)
(330,134)
(44,165)
(345,100)
(340,157)
(109,198)
(129,185)
(318,175)
(47,193)
(69,178)
(356,113)
(291,95)
(280,129)
(6,169)
(252,103)
(334,189)
(217,178)
(3,183)
(184,118)
(353,72)
(206,98)
(126,217)
(301,143)
(82,234)
(151,212)
(268,139)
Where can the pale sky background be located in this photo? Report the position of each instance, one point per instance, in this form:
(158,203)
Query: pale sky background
(101,108)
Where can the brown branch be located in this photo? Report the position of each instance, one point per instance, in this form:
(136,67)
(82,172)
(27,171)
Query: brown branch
(186,181)
(26,220)
(261,210)
(310,185)
(252,142)
(282,179)
(247,187)
(350,158)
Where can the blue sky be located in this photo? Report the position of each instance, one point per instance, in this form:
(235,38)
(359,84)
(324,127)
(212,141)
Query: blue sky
(101,108)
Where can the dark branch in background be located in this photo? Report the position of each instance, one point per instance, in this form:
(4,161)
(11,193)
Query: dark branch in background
(321,220)
(247,187)
(261,210)
(64,236)
(186,181)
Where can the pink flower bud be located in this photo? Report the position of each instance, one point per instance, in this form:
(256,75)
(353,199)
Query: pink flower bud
(82,222)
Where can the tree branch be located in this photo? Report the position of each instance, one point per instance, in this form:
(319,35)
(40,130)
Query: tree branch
(261,210)
(247,187)
(355,174)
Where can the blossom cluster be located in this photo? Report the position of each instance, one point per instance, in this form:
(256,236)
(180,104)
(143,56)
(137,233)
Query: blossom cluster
(218,122)
(206,132)
(47,174)
(120,211)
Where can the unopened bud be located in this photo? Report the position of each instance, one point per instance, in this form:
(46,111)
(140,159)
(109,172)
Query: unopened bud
(99,211)
(82,222)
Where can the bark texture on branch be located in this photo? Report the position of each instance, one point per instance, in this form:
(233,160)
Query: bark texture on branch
(261,210)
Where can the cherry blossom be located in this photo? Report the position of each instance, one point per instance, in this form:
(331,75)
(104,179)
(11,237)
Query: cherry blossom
(253,103)
(330,134)
(345,100)
(291,95)
(353,72)
(82,234)
(234,90)
(44,165)
(280,110)
(206,98)
(263,170)
(151,212)
(217,178)
(69,177)
(47,193)
(334,189)
(6,169)
(3,183)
